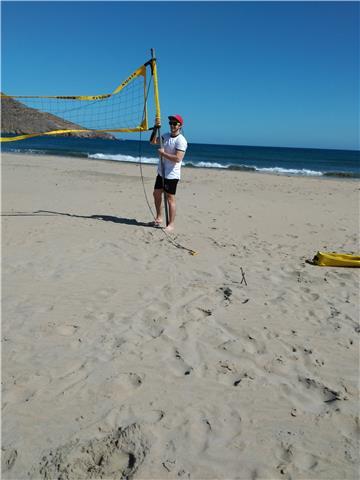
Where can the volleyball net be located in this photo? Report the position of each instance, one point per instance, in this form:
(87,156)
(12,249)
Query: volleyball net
(123,110)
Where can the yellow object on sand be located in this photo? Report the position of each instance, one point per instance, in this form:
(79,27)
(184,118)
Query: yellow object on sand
(326,259)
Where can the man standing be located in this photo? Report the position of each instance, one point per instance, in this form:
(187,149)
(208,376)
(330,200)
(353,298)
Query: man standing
(172,154)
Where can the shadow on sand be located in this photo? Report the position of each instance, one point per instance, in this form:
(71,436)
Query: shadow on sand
(103,218)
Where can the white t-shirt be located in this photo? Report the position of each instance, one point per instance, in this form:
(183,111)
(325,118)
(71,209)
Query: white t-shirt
(170,145)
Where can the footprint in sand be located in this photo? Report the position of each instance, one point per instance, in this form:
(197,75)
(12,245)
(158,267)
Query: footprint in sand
(154,326)
(291,457)
(67,330)
(131,379)
(317,395)
(229,374)
(115,456)
(153,416)
(309,296)
(8,458)
(179,365)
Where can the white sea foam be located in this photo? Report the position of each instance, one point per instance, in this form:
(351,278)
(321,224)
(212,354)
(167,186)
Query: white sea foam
(28,151)
(206,164)
(123,158)
(154,161)
(274,170)
(289,171)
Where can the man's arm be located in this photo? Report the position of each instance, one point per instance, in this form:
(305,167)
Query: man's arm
(177,158)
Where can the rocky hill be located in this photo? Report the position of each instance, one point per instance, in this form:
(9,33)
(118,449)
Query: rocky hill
(17,118)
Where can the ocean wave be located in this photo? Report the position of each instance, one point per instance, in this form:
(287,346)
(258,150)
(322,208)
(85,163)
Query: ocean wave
(204,165)
(123,158)
(28,151)
(290,171)
(250,168)
(38,151)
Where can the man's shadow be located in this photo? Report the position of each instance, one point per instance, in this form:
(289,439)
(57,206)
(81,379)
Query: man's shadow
(104,218)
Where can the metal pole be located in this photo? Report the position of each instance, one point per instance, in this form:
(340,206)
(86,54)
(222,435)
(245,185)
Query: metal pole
(158,127)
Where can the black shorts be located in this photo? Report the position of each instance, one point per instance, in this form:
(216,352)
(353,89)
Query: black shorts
(170,184)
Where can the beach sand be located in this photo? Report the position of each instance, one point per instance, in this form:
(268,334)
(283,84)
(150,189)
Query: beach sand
(124,356)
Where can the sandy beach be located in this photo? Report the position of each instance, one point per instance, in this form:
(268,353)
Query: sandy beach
(124,356)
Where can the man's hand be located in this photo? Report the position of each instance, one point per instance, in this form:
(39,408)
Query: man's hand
(173,158)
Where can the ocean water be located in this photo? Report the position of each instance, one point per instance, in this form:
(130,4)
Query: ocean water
(272,160)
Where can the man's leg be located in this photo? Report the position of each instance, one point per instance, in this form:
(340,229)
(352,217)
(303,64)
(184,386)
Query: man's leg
(172,212)
(157,200)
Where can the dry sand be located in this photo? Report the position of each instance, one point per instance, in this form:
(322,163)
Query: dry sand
(126,357)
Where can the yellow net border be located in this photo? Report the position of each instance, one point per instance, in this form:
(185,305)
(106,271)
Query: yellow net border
(142,126)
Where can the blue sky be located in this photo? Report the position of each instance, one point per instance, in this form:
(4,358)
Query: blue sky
(241,73)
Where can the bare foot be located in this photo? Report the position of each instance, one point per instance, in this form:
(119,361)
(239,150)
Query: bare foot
(156,223)
(170,228)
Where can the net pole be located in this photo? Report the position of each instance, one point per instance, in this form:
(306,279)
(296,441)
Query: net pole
(158,127)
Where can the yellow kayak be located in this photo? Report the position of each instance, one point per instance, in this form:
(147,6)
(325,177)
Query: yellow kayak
(326,259)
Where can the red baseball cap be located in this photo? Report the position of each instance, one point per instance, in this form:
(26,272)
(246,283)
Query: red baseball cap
(177,117)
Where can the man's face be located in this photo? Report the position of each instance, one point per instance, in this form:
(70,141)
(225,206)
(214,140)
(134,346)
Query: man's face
(174,126)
